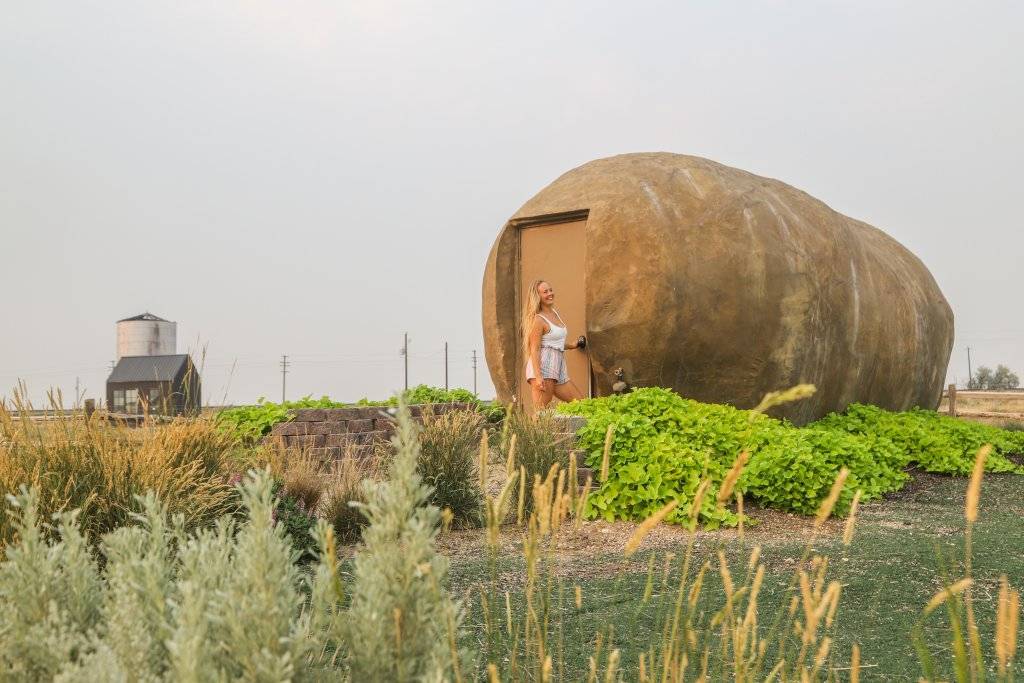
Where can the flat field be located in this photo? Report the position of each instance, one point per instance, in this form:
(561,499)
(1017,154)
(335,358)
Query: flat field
(1007,403)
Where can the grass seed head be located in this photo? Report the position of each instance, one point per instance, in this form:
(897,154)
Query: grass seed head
(729,483)
(739,514)
(1007,615)
(946,593)
(510,461)
(852,519)
(645,527)
(723,569)
(605,457)
(482,463)
(698,502)
(974,487)
(832,498)
(776,398)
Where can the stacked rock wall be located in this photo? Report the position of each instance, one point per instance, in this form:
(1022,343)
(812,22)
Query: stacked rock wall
(332,433)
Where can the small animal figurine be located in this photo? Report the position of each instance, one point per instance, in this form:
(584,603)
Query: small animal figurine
(620,386)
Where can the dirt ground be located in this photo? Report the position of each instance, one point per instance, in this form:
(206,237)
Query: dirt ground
(596,548)
(586,548)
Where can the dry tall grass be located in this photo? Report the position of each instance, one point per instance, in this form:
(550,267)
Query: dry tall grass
(99,468)
(344,493)
(448,463)
(530,445)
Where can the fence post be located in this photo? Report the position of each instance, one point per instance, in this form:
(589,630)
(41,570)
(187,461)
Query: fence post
(952,400)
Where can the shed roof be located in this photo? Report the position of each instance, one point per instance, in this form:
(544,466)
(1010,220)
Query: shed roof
(148,368)
(144,316)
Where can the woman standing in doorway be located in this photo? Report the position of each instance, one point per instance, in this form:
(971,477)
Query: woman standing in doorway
(545,343)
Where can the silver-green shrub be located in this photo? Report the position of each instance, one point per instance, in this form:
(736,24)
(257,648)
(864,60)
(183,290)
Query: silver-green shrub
(50,593)
(402,623)
(221,604)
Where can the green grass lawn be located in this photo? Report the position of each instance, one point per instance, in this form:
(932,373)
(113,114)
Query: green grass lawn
(903,548)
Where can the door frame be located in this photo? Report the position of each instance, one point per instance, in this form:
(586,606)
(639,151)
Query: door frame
(518,224)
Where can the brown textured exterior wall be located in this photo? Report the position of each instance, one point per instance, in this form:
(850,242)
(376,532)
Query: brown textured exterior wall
(724,285)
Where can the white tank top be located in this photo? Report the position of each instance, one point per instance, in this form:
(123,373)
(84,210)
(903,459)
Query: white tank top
(555,336)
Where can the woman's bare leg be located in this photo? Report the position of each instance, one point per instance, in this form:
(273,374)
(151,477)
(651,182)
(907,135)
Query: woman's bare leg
(542,392)
(567,392)
(541,396)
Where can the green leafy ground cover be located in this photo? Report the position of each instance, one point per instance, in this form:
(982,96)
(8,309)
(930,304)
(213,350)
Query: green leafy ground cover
(251,423)
(664,445)
(423,393)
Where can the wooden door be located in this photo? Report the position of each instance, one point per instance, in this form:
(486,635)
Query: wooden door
(555,253)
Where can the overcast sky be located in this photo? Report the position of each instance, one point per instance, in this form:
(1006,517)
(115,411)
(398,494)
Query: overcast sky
(316,178)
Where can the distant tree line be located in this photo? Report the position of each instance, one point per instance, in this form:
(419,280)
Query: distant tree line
(999,380)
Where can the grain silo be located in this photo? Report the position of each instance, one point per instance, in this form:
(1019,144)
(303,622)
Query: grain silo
(146,335)
(720,284)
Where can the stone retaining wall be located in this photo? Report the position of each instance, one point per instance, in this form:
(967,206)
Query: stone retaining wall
(566,427)
(334,432)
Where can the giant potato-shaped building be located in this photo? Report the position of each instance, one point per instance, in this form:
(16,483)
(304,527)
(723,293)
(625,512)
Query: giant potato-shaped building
(720,284)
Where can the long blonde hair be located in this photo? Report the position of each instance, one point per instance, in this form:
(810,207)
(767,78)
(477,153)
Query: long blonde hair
(531,307)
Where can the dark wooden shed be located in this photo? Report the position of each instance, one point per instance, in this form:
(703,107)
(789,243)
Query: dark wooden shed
(161,385)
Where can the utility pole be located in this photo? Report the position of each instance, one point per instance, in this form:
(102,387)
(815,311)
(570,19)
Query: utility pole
(970,374)
(77,394)
(284,374)
(446,366)
(474,371)
(405,355)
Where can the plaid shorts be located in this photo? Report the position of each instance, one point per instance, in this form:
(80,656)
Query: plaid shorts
(552,366)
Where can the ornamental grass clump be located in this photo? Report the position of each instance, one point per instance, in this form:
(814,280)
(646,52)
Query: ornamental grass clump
(343,495)
(447,462)
(403,624)
(100,468)
(531,445)
(304,478)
